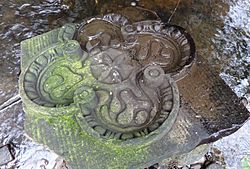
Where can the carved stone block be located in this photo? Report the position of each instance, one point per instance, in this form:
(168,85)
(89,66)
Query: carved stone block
(104,94)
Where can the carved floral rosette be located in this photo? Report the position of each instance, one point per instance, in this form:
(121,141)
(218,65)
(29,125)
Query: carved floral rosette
(119,74)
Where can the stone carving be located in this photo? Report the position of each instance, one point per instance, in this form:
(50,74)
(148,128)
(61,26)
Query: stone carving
(165,45)
(102,32)
(53,76)
(133,100)
(119,74)
(112,66)
(103,93)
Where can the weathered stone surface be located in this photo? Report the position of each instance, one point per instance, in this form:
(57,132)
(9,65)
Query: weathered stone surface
(216,105)
(104,95)
(5,155)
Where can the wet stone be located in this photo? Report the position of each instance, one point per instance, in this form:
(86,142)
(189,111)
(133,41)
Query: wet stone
(215,166)
(5,155)
(121,92)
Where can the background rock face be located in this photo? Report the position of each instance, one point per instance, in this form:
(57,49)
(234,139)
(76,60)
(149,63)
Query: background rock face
(214,27)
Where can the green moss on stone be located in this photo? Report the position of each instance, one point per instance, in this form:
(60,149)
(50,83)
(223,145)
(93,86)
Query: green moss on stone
(68,77)
(81,146)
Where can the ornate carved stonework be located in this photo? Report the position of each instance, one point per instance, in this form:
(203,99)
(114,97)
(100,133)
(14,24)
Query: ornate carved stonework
(134,100)
(118,73)
(153,42)
(54,75)
(108,83)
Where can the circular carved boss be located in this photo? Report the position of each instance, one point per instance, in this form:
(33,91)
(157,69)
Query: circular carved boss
(130,101)
(123,113)
(153,42)
(51,79)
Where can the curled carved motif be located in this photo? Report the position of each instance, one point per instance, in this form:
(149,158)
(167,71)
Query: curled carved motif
(54,75)
(153,42)
(133,101)
(119,74)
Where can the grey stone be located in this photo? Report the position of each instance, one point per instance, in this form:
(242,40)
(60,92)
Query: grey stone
(215,166)
(5,155)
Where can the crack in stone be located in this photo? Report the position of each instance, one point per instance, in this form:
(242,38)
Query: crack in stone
(176,7)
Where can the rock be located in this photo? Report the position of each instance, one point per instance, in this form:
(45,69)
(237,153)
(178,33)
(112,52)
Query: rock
(114,93)
(5,155)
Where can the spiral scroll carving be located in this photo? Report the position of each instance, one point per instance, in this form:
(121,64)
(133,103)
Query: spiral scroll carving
(155,42)
(51,78)
(131,104)
(101,33)
(118,74)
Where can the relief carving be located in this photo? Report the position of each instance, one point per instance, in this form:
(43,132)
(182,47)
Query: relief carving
(119,74)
